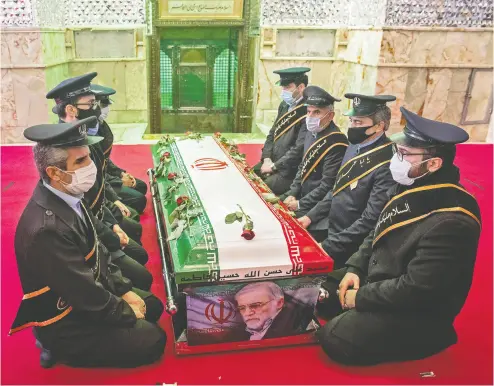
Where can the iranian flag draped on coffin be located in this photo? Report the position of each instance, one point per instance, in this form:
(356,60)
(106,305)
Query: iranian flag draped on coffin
(201,182)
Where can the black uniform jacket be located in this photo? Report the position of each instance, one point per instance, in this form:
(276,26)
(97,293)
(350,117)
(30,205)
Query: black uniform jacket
(423,268)
(286,152)
(57,251)
(352,213)
(316,186)
(114,173)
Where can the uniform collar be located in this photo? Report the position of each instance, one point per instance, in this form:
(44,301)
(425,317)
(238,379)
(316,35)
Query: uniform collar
(360,146)
(72,201)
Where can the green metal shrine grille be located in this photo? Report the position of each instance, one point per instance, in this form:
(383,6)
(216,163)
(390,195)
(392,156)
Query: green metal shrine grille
(198,75)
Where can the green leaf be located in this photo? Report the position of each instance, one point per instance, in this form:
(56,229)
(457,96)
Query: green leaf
(239,215)
(177,232)
(271,198)
(231,218)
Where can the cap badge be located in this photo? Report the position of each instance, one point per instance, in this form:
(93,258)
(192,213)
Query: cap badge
(356,101)
(82,130)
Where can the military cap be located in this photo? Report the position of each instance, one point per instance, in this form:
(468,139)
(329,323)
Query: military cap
(424,133)
(102,93)
(365,105)
(291,75)
(72,87)
(316,96)
(69,134)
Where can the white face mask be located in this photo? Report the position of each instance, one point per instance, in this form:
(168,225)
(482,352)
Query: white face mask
(314,124)
(83,179)
(400,169)
(287,96)
(104,113)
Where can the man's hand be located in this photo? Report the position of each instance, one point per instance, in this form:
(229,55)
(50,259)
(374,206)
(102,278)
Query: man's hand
(349,280)
(267,168)
(304,221)
(135,300)
(120,205)
(128,180)
(124,239)
(293,205)
(288,199)
(350,296)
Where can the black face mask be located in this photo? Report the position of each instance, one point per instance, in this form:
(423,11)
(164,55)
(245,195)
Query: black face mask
(357,135)
(89,113)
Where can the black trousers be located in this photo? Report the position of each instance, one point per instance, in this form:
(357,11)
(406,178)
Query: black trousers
(133,197)
(99,345)
(136,252)
(367,338)
(135,272)
(277,182)
(132,228)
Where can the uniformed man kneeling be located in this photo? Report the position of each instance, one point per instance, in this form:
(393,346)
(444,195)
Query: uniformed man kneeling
(409,280)
(324,148)
(82,309)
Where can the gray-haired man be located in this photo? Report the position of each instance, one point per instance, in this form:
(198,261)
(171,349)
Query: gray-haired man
(82,309)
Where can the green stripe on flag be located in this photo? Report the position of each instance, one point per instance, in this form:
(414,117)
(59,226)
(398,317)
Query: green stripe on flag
(195,253)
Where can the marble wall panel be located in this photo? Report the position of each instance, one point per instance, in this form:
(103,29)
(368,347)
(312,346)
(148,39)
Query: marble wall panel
(21,48)
(438,85)
(396,46)
(136,85)
(436,47)
(29,95)
(363,47)
(481,99)
(269,93)
(393,81)
(456,96)
(479,133)
(9,115)
(111,74)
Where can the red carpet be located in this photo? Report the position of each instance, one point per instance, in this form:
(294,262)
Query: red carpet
(468,362)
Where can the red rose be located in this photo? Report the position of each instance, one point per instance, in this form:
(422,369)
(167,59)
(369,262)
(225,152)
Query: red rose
(217,134)
(166,154)
(248,234)
(172,176)
(182,199)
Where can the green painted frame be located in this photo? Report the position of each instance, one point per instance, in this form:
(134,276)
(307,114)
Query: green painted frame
(248,43)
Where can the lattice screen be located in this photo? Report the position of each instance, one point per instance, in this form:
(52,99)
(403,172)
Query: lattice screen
(225,68)
(166,84)
(17,13)
(446,13)
(105,12)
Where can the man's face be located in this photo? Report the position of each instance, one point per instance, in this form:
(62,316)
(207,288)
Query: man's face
(78,157)
(83,103)
(256,307)
(324,113)
(416,156)
(360,121)
(366,122)
(294,89)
